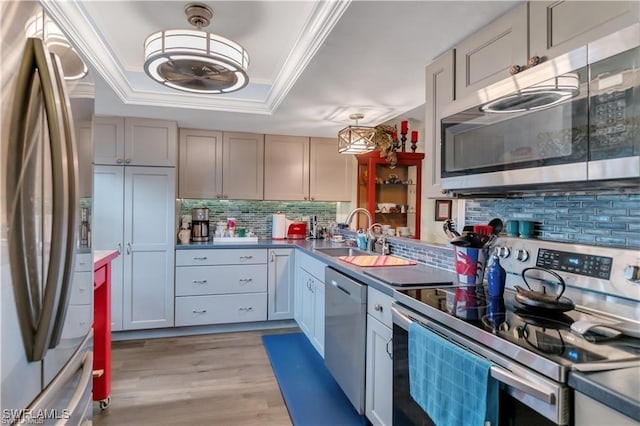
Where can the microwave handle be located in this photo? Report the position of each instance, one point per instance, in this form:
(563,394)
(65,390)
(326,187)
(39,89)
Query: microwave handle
(501,374)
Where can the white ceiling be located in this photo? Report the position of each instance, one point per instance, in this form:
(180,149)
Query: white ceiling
(312,63)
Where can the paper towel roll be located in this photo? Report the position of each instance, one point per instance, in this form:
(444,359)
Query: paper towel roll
(279,227)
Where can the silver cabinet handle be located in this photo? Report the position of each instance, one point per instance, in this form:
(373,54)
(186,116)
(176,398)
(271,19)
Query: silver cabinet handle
(199,311)
(246,257)
(199,281)
(127,161)
(225,196)
(246,309)
(128,247)
(119,160)
(200,258)
(245,280)
(119,248)
(273,256)
(377,307)
(218,195)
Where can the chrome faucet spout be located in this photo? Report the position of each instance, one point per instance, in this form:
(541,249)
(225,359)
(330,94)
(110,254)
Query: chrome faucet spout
(355,211)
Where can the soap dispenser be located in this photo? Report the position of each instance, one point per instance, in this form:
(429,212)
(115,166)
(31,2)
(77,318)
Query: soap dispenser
(496,277)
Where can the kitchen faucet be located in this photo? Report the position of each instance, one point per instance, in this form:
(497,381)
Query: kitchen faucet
(355,211)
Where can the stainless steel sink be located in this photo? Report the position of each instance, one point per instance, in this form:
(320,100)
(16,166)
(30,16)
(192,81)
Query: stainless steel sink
(342,251)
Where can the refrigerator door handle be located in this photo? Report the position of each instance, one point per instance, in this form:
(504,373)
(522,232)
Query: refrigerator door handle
(36,318)
(70,164)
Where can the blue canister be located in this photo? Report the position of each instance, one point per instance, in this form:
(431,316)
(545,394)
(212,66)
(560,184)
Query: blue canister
(496,277)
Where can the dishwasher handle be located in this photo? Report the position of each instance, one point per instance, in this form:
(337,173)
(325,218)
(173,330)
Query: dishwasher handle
(339,287)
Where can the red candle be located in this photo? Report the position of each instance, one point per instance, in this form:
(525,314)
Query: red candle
(414,136)
(394,136)
(404,127)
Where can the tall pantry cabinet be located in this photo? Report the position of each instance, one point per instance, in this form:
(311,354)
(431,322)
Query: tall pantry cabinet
(134,213)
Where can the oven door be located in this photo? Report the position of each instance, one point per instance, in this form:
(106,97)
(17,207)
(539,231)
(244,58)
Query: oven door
(526,398)
(530,129)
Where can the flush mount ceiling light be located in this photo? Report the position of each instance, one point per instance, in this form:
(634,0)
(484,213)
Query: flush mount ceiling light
(356,139)
(41,26)
(194,60)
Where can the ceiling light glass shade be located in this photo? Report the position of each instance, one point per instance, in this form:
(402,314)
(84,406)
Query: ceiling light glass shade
(196,61)
(356,140)
(41,26)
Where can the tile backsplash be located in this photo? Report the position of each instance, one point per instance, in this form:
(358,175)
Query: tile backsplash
(257,215)
(611,220)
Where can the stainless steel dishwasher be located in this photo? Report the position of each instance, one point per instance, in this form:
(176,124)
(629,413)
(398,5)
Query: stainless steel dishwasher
(345,329)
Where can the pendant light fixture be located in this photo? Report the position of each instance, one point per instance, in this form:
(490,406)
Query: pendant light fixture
(356,139)
(195,60)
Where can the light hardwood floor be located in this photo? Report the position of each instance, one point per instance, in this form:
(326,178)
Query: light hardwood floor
(217,379)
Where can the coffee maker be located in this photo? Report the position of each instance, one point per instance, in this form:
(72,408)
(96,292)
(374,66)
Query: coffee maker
(200,224)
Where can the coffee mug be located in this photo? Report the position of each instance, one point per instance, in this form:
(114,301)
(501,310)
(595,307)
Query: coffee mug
(525,228)
(513,228)
(241,232)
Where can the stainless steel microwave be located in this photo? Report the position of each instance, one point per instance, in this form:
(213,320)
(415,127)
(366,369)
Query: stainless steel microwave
(570,122)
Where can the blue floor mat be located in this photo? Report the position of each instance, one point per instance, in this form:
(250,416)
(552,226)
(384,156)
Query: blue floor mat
(312,395)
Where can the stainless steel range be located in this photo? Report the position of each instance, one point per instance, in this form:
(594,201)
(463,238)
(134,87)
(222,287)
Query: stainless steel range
(531,350)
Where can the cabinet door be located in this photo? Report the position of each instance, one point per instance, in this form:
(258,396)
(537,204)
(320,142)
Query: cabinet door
(330,173)
(149,247)
(243,166)
(84,142)
(200,164)
(280,284)
(318,315)
(107,227)
(557,27)
(108,139)
(487,55)
(307,310)
(150,142)
(286,168)
(439,93)
(379,376)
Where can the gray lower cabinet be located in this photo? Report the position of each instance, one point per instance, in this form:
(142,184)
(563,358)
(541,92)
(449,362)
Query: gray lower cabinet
(309,299)
(557,27)
(219,286)
(379,362)
(280,284)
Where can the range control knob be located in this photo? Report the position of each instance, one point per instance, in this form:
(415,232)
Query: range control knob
(522,255)
(503,252)
(632,273)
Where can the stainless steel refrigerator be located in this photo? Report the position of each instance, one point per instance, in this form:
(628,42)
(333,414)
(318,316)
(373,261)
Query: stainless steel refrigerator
(45,296)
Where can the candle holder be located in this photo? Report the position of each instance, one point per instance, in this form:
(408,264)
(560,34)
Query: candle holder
(414,141)
(403,138)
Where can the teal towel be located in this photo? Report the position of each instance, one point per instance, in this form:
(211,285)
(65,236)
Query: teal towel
(453,386)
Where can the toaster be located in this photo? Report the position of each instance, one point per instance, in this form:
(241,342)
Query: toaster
(297,231)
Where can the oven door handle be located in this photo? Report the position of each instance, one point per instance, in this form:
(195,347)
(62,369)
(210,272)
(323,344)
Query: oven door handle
(501,374)
(510,379)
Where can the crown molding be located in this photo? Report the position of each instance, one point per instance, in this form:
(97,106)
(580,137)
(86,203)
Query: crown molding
(78,26)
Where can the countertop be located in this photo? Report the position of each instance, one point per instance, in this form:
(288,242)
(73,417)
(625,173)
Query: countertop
(100,257)
(618,389)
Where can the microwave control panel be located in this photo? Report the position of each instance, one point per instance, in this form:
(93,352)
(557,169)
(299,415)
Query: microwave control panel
(575,263)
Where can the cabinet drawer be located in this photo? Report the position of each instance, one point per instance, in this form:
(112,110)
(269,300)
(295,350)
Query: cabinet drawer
(379,306)
(77,322)
(84,262)
(221,309)
(310,264)
(201,280)
(81,288)
(221,257)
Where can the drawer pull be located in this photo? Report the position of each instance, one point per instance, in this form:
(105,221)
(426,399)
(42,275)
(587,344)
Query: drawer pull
(377,307)
(246,280)
(200,258)
(199,311)
(246,309)
(199,281)
(246,257)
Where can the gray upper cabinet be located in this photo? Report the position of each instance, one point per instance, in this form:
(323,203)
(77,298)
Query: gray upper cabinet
(439,91)
(487,56)
(286,168)
(331,173)
(135,142)
(84,142)
(217,165)
(560,26)
(242,166)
